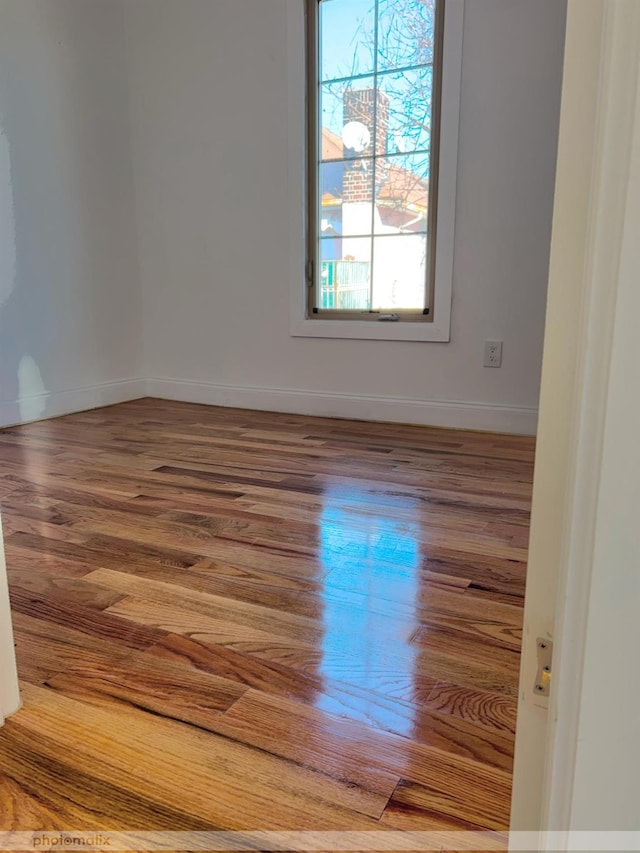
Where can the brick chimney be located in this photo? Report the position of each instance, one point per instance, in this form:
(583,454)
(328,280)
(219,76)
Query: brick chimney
(358,105)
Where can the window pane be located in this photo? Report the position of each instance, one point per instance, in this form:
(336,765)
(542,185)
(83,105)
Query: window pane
(402,194)
(405,33)
(345,274)
(347,30)
(343,104)
(399,276)
(346,198)
(408,96)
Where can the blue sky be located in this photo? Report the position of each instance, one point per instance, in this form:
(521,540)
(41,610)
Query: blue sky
(340,23)
(343,23)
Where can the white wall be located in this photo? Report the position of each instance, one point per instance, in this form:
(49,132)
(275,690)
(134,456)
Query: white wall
(69,289)
(210,124)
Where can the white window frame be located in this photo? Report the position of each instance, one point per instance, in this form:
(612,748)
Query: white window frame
(439,327)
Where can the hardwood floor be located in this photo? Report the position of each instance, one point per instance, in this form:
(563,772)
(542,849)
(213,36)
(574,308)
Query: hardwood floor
(240,620)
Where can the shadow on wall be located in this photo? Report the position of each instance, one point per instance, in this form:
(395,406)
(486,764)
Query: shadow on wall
(23,395)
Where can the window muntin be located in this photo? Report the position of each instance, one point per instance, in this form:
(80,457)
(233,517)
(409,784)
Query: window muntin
(374,73)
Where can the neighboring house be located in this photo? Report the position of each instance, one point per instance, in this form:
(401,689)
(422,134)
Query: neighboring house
(385,223)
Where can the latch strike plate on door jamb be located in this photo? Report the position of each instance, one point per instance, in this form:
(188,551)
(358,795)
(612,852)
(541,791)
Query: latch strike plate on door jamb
(542,686)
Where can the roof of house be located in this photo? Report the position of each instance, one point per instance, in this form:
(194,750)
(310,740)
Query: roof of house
(332,148)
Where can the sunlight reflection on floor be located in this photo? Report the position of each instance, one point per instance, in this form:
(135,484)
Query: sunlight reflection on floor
(366,551)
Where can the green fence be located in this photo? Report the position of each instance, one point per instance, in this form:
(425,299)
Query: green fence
(345,285)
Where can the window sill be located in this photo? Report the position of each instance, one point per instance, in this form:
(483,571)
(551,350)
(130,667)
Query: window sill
(369,330)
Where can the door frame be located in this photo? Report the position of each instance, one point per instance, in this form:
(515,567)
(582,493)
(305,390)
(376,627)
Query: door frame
(9,690)
(596,148)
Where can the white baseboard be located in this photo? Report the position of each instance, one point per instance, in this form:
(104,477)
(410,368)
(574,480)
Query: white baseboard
(520,420)
(477,416)
(13,709)
(53,404)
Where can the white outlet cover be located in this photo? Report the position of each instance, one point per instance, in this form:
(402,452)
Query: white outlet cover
(493,353)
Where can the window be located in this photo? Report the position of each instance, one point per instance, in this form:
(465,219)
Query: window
(376,125)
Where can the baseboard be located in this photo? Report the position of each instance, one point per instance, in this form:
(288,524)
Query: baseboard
(520,420)
(477,416)
(12,710)
(53,404)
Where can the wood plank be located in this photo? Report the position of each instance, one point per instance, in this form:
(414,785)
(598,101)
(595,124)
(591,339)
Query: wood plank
(21,810)
(265,623)
(30,562)
(489,710)
(45,585)
(279,623)
(115,670)
(44,648)
(101,551)
(163,619)
(146,753)
(52,790)
(342,749)
(490,809)
(93,622)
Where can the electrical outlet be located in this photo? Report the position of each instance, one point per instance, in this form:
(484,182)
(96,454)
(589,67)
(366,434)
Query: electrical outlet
(493,353)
